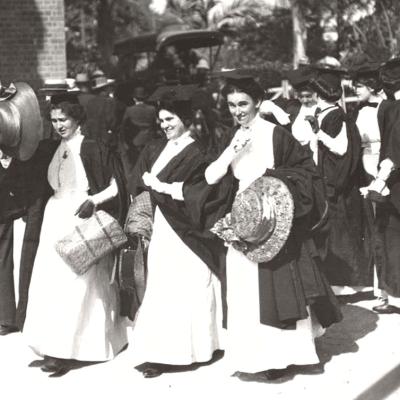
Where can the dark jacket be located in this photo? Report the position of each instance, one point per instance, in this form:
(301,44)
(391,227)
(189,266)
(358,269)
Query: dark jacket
(100,165)
(139,124)
(23,182)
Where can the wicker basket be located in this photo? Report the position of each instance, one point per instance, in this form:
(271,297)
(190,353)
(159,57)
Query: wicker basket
(93,239)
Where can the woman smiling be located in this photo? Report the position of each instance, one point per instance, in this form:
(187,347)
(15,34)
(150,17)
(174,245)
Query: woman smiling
(275,308)
(180,319)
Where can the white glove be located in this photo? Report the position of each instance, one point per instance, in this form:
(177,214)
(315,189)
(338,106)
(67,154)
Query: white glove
(153,182)
(148,178)
(377,185)
(269,107)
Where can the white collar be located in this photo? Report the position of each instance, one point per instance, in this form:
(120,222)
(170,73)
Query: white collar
(181,139)
(251,124)
(75,138)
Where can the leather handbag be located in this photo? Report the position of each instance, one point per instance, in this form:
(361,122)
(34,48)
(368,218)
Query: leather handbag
(90,241)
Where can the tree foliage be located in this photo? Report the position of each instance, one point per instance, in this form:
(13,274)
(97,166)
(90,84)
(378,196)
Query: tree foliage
(256,34)
(93,26)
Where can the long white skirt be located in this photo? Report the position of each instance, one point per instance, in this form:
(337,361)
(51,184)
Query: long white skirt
(252,347)
(71,316)
(180,319)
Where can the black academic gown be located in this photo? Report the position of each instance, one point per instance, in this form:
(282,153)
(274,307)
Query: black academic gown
(292,280)
(190,224)
(387,249)
(347,261)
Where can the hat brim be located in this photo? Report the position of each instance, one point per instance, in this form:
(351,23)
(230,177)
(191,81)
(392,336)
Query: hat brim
(105,84)
(31,131)
(284,212)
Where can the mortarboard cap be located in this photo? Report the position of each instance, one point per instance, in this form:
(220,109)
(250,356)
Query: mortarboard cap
(181,99)
(174,93)
(236,75)
(390,73)
(300,77)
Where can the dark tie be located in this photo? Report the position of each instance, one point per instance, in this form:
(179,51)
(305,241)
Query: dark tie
(367,104)
(317,112)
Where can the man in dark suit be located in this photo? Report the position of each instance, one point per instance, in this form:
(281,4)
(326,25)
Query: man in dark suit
(138,128)
(22,194)
(23,183)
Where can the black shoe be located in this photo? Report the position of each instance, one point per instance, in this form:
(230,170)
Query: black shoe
(51,364)
(152,372)
(273,374)
(37,363)
(309,369)
(59,372)
(386,309)
(7,329)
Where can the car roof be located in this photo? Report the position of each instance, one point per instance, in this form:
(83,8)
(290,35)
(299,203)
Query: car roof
(150,42)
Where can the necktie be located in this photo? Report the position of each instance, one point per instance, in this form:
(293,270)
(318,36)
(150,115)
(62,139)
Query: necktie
(367,104)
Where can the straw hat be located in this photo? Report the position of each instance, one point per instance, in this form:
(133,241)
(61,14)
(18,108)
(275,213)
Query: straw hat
(248,229)
(202,64)
(20,123)
(101,82)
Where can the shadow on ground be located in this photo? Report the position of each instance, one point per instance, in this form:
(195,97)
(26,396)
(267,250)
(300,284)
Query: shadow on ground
(338,339)
(342,337)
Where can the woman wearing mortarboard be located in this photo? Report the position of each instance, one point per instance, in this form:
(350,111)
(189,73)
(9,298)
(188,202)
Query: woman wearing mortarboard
(180,319)
(277,299)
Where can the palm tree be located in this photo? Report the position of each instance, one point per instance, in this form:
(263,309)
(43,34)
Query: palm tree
(215,14)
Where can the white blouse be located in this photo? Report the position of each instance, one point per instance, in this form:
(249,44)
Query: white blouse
(66,172)
(257,156)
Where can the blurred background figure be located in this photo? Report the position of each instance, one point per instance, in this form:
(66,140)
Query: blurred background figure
(82,82)
(138,128)
(103,112)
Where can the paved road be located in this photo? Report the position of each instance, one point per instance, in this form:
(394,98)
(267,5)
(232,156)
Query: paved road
(361,357)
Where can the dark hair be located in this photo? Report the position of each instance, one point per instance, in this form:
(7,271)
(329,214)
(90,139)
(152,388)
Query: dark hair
(372,82)
(70,109)
(327,87)
(248,86)
(390,79)
(195,114)
(181,108)
(305,87)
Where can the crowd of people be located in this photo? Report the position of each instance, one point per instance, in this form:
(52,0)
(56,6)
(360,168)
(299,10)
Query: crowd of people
(252,234)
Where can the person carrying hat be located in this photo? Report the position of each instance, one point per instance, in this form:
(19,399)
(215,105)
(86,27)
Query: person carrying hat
(22,190)
(274,309)
(346,262)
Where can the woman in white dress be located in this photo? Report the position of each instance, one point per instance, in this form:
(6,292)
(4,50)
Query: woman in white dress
(70,316)
(180,319)
(272,307)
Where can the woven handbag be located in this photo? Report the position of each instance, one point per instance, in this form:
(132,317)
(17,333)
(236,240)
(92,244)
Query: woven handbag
(94,238)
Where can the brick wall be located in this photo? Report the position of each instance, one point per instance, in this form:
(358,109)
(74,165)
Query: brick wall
(32,41)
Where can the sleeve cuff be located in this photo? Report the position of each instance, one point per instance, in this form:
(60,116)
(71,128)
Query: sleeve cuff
(176,190)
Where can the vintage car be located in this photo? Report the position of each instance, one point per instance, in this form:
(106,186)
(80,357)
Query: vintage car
(170,56)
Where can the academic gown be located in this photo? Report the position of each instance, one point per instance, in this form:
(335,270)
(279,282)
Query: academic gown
(273,305)
(347,257)
(387,249)
(180,319)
